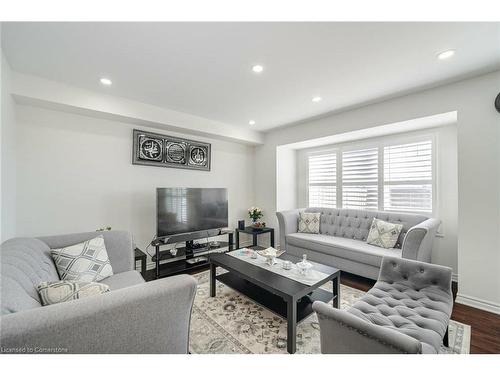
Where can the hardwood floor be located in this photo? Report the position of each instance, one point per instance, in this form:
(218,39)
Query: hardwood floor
(485,326)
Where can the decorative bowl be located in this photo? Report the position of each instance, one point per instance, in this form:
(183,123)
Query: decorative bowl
(259,225)
(270,254)
(270,260)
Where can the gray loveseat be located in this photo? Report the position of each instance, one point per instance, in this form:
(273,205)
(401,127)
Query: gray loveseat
(134,317)
(342,239)
(407,311)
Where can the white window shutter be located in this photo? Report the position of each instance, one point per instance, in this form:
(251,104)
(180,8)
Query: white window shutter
(360,179)
(322,180)
(408,177)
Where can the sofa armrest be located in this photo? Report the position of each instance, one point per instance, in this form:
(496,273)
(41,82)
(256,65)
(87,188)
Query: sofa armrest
(288,223)
(419,240)
(152,317)
(345,333)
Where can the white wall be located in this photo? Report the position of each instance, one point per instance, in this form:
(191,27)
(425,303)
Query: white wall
(74,174)
(286,187)
(8,155)
(445,200)
(478,149)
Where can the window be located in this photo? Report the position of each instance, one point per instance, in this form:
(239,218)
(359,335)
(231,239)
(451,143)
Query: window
(360,179)
(385,176)
(408,177)
(323,180)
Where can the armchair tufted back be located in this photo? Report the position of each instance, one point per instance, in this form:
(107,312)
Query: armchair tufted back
(417,275)
(25,263)
(355,224)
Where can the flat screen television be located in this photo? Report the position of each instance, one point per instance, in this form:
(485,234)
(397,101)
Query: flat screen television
(186,210)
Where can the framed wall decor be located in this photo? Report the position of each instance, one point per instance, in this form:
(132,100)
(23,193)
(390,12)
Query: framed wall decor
(160,150)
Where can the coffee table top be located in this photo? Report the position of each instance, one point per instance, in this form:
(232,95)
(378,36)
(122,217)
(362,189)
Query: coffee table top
(271,281)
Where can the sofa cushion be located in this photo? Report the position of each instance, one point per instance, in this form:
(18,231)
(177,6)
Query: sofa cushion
(118,245)
(383,234)
(342,247)
(420,313)
(309,222)
(84,261)
(25,263)
(123,280)
(62,291)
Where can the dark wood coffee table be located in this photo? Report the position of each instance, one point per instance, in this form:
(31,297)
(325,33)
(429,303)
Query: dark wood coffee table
(286,297)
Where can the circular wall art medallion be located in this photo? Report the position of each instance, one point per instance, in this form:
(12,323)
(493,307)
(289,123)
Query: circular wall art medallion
(150,149)
(198,155)
(176,152)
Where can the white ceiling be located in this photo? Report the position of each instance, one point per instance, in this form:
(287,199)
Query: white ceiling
(204,69)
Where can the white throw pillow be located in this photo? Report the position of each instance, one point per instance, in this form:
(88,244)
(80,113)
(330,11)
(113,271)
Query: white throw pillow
(384,234)
(62,291)
(86,261)
(309,222)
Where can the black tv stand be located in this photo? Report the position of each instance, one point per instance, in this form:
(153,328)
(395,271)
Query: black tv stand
(192,247)
(189,258)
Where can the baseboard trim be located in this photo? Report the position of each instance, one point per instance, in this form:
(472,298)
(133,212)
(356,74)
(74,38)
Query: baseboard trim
(478,303)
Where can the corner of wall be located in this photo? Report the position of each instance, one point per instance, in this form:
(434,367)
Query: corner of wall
(7,152)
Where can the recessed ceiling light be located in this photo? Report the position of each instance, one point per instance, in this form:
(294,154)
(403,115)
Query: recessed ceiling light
(251,122)
(446,54)
(257,68)
(317,99)
(106,81)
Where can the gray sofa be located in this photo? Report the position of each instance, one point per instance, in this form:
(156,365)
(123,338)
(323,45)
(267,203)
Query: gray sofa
(342,239)
(134,317)
(407,311)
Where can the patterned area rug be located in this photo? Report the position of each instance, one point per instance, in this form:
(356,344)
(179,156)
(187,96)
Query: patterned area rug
(231,323)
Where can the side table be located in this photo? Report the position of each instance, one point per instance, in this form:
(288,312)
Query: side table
(255,232)
(139,255)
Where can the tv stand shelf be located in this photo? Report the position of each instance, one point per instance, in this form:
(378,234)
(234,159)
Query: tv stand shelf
(166,256)
(180,267)
(174,263)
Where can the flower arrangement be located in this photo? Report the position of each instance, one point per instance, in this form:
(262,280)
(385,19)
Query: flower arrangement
(255,213)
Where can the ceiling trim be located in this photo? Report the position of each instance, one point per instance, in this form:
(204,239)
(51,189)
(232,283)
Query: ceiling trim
(40,92)
(427,122)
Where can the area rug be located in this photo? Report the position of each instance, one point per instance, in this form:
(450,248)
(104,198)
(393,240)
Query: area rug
(232,323)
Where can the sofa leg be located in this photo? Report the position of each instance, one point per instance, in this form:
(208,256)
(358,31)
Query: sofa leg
(445,338)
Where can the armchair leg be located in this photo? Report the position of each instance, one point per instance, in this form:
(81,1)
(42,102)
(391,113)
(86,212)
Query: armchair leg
(445,338)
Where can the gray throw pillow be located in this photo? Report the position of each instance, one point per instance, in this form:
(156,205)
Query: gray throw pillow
(383,233)
(62,291)
(85,261)
(309,222)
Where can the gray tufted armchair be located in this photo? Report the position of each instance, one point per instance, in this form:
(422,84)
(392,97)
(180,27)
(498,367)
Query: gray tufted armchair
(406,311)
(134,317)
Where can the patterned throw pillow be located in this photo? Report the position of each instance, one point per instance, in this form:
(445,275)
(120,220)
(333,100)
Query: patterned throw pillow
(309,222)
(62,291)
(86,261)
(384,234)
